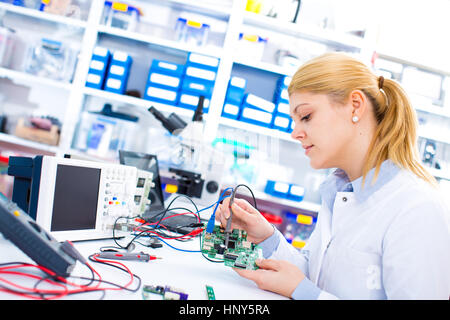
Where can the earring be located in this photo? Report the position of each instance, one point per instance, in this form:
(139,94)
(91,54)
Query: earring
(355,119)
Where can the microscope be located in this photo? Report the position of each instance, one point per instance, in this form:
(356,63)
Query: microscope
(197,166)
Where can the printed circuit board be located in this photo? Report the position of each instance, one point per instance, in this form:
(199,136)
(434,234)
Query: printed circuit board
(240,252)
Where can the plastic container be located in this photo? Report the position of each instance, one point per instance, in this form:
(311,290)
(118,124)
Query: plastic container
(103,136)
(190,31)
(251,46)
(51,59)
(121,15)
(6,46)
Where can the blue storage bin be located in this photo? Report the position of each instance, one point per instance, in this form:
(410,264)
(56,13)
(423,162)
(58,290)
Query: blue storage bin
(255,116)
(296,192)
(98,68)
(117,78)
(95,81)
(281,93)
(277,189)
(281,122)
(250,100)
(166,67)
(231,110)
(115,84)
(236,90)
(283,108)
(164,81)
(281,96)
(202,61)
(200,74)
(190,100)
(161,95)
(121,58)
(118,72)
(284,81)
(101,54)
(192,85)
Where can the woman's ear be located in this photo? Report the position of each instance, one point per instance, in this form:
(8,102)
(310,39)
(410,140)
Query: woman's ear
(358,101)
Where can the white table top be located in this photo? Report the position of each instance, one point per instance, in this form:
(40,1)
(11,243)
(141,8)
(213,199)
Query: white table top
(185,270)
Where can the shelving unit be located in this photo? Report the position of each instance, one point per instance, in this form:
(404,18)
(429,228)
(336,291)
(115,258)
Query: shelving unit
(44,16)
(236,18)
(29,79)
(27,144)
(214,52)
(138,102)
(328,37)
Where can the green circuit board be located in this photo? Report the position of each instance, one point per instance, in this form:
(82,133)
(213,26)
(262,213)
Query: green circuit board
(240,252)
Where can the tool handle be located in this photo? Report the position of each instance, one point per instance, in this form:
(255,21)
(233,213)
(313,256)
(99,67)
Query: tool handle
(124,256)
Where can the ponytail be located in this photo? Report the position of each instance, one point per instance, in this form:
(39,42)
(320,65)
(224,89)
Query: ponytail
(337,75)
(395,137)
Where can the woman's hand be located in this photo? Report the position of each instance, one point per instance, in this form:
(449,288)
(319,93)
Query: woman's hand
(278,276)
(245,217)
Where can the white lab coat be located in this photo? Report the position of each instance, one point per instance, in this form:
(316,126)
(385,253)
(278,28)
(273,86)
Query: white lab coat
(394,245)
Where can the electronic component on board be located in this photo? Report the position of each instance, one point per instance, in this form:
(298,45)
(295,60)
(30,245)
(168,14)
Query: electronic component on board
(210,293)
(240,253)
(166,292)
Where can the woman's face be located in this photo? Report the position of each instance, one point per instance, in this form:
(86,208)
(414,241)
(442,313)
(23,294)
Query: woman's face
(323,127)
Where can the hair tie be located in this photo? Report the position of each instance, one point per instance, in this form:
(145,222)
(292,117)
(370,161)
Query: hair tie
(380,82)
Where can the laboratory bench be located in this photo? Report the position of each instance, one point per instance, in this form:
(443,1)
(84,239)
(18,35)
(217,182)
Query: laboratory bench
(188,271)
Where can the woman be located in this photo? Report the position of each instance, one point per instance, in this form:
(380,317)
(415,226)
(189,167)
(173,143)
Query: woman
(382,230)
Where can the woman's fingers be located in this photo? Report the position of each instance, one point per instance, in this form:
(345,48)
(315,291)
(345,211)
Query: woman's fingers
(245,205)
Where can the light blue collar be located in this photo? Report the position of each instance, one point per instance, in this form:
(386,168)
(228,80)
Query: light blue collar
(338,181)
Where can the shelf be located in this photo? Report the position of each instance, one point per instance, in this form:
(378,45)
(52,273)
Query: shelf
(82,155)
(28,144)
(171,44)
(26,78)
(211,8)
(43,15)
(264,66)
(439,111)
(274,133)
(436,136)
(386,56)
(328,37)
(137,101)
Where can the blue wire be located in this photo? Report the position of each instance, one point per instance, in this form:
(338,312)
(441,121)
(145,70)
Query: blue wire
(210,225)
(211,219)
(217,202)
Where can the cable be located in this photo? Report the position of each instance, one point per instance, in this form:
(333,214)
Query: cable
(233,194)
(211,222)
(172,201)
(65,286)
(178,249)
(158,224)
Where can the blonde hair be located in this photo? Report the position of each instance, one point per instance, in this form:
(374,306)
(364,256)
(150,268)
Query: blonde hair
(337,75)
